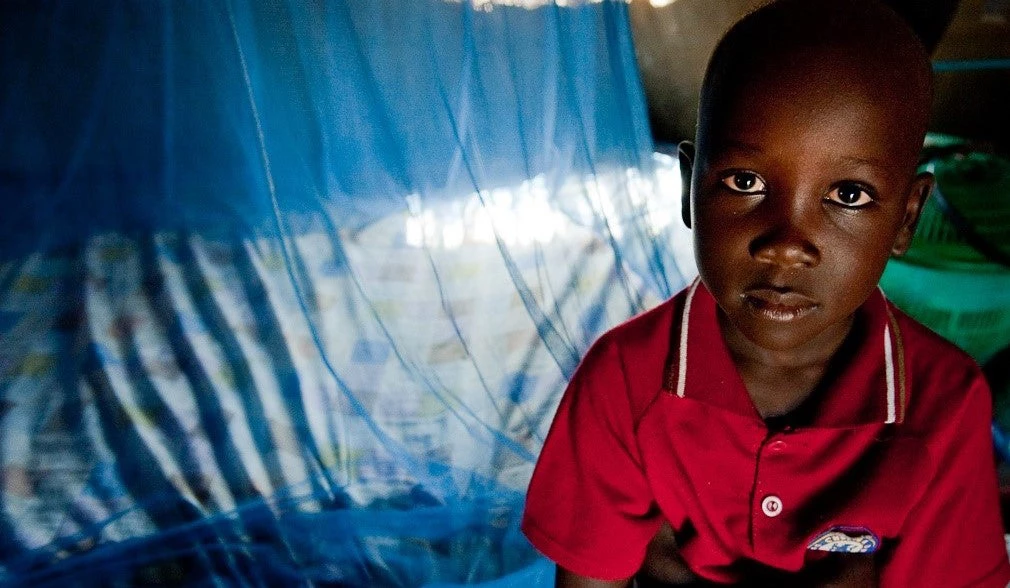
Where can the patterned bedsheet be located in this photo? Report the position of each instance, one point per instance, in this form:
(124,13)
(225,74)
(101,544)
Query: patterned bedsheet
(336,406)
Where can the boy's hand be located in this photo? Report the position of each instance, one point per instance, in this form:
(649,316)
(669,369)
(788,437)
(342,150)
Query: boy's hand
(843,571)
(664,567)
(565,579)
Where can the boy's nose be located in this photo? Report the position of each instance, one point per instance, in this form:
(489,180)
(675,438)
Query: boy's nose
(787,248)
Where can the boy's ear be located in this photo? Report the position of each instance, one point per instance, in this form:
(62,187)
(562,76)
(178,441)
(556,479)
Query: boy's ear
(917,195)
(685,154)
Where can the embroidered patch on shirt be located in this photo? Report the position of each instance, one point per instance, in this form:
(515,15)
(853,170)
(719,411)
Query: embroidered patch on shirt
(846,540)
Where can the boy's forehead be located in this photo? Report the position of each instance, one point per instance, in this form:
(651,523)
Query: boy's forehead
(806,116)
(805,87)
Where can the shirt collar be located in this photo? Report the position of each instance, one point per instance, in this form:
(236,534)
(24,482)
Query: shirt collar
(865,384)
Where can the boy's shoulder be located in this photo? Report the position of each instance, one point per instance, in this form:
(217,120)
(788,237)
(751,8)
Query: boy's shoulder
(648,329)
(638,350)
(941,375)
(647,336)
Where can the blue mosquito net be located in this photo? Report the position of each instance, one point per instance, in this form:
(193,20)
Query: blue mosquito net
(290,289)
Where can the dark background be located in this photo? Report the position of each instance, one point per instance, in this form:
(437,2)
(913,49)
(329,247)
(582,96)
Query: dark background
(674,38)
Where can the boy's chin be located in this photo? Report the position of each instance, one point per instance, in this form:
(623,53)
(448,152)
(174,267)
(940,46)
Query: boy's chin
(788,334)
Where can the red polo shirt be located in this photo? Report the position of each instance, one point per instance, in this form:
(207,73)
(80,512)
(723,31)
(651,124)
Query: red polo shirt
(892,455)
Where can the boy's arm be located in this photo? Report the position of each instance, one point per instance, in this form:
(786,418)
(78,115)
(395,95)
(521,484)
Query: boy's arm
(663,564)
(589,506)
(953,536)
(566,579)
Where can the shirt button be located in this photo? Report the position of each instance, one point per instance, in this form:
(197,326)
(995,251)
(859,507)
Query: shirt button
(777,446)
(771,506)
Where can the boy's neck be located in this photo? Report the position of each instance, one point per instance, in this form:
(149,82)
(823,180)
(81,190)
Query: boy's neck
(780,381)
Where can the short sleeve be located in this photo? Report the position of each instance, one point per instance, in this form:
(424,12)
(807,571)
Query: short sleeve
(953,536)
(589,507)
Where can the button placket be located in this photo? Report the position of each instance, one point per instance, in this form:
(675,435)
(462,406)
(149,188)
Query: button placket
(768,503)
(771,504)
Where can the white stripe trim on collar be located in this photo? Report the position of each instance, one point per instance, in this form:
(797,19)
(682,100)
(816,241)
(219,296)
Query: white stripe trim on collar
(682,356)
(889,374)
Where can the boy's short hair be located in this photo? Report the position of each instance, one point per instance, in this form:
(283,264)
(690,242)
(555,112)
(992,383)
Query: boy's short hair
(864,30)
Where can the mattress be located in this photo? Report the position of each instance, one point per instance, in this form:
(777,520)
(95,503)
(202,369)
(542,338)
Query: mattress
(356,407)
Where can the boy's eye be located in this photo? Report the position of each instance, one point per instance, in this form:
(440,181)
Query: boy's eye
(850,195)
(746,182)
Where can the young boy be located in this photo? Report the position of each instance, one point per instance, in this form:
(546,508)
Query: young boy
(779,422)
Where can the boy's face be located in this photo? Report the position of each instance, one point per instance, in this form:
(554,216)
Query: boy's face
(802,188)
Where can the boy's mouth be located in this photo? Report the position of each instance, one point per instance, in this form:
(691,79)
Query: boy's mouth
(778,304)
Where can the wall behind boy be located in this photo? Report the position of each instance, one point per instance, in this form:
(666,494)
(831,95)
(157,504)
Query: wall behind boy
(674,39)
(972,102)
